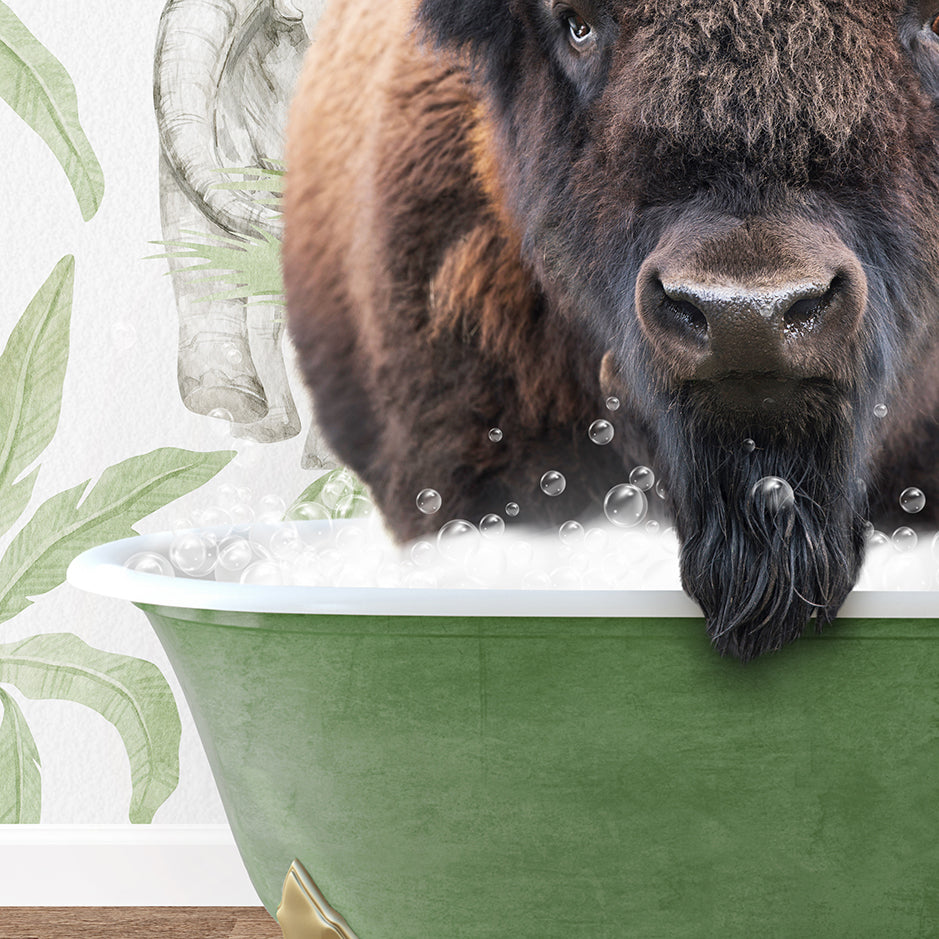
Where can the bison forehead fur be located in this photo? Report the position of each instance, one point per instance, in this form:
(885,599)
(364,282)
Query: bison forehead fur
(724,211)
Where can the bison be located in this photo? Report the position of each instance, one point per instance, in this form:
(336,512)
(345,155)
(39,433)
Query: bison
(724,212)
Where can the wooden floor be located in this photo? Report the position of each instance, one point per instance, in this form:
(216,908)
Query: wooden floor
(156,922)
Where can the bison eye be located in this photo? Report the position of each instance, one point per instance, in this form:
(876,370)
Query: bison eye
(581,31)
(934,25)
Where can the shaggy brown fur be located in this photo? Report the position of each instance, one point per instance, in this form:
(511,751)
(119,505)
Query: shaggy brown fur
(479,212)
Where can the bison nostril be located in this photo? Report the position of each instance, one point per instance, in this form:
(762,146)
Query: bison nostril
(806,310)
(689,314)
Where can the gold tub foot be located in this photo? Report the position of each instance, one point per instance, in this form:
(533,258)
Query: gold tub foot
(304,913)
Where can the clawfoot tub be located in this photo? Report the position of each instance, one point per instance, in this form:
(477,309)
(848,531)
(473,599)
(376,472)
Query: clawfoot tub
(431,764)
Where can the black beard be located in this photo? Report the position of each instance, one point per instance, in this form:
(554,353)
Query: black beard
(760,572)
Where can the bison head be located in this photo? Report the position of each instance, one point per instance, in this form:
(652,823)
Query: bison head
(736,201)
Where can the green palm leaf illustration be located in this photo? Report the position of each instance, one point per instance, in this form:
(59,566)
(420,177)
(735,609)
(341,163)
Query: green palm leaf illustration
(21,785)
(32,370)
(130,693)
(34,83)
(77,519)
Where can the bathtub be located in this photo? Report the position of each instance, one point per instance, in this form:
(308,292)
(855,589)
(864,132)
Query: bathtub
(440,764)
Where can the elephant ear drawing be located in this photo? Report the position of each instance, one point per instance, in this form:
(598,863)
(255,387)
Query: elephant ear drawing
(224,71)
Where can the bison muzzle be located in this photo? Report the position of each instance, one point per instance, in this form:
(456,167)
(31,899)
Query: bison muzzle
(725,212)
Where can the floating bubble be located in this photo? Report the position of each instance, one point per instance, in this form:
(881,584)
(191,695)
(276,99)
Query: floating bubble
(241,513)
(536,580)
(334,489)
(308,511)
(495,434)
(553,483)
(354,505)
(566,578)
(596,540)
(880,410)
(571,533)
(660,490)
(285,543)
(600,432)
(193,554)
(652,526)
(876,538)
(429,501)
(149,562)
(612,403)
(773,494)
(642,478)
(216,518)
(625,505)
(265,573)
(235,554)
(491,525)
(272,505)
(233,354)
(749,445)
(512,509)
(912,500)
(904,539)
(457,540)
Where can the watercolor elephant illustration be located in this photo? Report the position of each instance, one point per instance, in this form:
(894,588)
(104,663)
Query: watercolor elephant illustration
(224,72)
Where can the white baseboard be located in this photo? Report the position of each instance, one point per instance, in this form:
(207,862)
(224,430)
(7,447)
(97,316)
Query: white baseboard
(122,865)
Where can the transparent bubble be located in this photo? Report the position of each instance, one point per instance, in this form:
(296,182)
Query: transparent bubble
(457,540)
(226,496)
(216,518)
(876,538)
(149,562)
(652,526)
(660,490)
(423,553)
(904,539)
(625,505)
(553,483)
(612,403)
(521,555)
(495,434)
(353,505)
(600,432)
(233,354)
(912,500)
(420,580)
(241,513)
(193,554)
(642,478)
(351,538)
(491,525)
(571,533)
(235,554)
(308,511)
(266,573)
(748,445)
(285,543)
(334,490)
(566,577)
(880,410)
(536,580)
(429,501)
(512,509)
(772,494)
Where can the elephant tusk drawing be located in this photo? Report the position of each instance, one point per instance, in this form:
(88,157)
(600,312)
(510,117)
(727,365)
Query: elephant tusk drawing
(224,71)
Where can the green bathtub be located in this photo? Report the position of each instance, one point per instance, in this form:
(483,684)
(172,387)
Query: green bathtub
(559,764)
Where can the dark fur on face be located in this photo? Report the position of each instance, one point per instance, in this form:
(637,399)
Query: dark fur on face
(759,563)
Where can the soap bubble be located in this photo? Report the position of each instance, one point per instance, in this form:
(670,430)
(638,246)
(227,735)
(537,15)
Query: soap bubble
(652,526)
(241,513)
(596,540)
(512,509)
(285,543)
(625,505)
(308,511)
(334,489)
(912,500)
(749,445)
(772,494)
(216,518)
(876,538)
(553,483)
(642,478)
(271,508)
(491,525)
(495,434)
(904,539)
(354,505)
(571,533)
(221,414)
(429,501)
(536,580)
(193,554)
(235,554)
(566,578)
(612,403)
(149,562)
(880,410)
(423,553)
(266,573)
(233,354)
(457,539)
(600,432)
